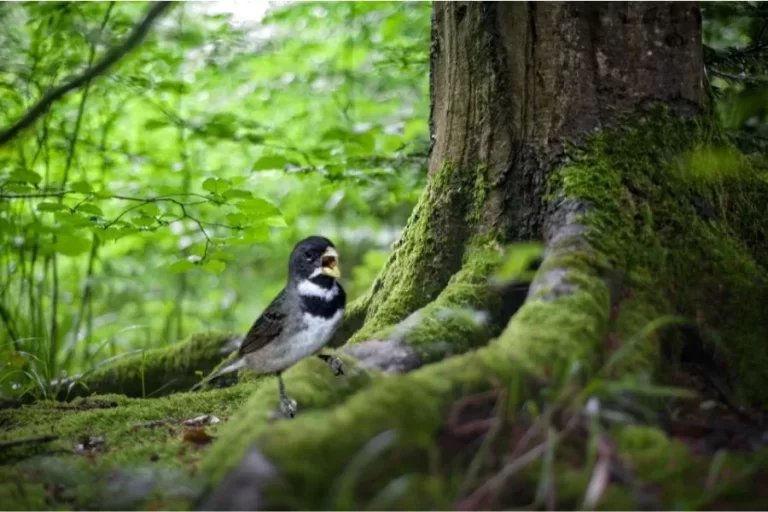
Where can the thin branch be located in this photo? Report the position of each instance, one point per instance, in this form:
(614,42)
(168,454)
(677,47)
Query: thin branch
(112,56)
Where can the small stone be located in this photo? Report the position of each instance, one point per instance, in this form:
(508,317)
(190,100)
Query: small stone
(202,421)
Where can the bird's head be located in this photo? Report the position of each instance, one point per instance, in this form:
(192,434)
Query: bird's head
(314,256)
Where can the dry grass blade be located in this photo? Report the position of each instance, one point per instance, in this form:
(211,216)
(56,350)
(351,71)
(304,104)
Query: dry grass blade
(601,475)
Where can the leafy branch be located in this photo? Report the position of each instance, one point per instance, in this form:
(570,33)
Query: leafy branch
(116,53)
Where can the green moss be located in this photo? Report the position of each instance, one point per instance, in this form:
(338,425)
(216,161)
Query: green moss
(137,434)
(429,252)
(156,372)
(662,203)
(553,336)
(354,316)
(310,383)
(413,406)
(680,476)
(464,315)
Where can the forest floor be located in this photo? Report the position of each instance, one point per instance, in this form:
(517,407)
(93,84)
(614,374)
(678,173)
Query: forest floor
(113,452)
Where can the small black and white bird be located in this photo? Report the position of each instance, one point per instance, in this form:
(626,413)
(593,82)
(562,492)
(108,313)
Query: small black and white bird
(302,319)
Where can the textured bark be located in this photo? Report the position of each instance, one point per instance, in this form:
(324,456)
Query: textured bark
(512,82)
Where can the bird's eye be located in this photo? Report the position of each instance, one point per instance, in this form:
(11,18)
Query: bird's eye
(308,256)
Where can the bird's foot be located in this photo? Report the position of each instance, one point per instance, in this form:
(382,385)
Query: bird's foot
(336,364)
(288,407)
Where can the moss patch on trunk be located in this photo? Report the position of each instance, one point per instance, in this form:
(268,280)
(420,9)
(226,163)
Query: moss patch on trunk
(662,193)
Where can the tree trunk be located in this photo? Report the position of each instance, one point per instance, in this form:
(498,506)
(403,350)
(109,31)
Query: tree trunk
(512,85)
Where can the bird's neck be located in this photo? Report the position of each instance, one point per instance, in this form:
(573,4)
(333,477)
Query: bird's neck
(320,286)
(323,281)
(321,296)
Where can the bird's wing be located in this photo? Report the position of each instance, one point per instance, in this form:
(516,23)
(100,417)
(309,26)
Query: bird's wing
(267,327)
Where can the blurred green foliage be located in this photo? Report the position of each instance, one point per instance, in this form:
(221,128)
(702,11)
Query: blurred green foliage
(168,193)
(164,197)
(736,54)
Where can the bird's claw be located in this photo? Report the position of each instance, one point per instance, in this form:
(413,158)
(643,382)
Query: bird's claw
(334,362)
(288,407)
(337,365)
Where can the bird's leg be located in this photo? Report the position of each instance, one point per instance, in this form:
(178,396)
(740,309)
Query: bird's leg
(287,406)
(334,362)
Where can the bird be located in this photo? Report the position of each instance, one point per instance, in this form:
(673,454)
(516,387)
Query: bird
(301,319)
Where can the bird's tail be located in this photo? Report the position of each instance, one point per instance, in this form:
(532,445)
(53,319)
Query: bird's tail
(232,367)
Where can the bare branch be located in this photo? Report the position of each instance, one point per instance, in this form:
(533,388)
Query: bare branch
(110,58)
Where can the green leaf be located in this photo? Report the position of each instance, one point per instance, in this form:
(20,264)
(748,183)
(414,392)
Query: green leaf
(258,208)
(114,233)
(517,264)
(215,266)
(25,176)
(150,209)
(255,138)
(336,133)
(236,193)
(90,208)
(269,162)
(276,221)
(215,185)
(71,245)
(156,124)
(257,233)
(82,187)
(365,141)
(51,207)
(18,188)
(70,220)
(223,256)
(143,221)
(181,266)
(237,219)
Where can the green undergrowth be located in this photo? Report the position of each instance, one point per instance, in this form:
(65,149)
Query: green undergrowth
(676,210)
(155,372)
(683,479)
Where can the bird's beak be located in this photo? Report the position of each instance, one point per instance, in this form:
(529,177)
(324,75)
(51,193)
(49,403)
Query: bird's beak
(330,263)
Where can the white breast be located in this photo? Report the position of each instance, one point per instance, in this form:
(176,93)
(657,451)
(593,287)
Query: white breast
(317,333)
